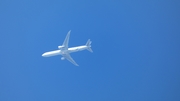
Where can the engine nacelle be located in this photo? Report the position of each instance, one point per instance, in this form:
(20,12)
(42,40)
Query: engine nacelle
(60,47)
(62,58)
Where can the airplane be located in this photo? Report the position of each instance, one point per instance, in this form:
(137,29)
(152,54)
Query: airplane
(65,51)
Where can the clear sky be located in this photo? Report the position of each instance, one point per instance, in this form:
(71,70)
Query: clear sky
(136,48)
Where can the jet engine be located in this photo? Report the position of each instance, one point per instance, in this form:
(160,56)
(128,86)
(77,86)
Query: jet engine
(62,58)
(60,47)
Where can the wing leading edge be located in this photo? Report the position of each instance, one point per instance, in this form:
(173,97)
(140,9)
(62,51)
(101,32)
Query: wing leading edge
(65,45)
(66,40)
(70,59)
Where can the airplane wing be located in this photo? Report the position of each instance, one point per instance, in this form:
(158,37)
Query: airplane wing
(70,59)
(66,40)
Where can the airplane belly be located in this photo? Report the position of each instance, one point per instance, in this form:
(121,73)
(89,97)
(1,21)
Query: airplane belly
(75,49)
(51,53)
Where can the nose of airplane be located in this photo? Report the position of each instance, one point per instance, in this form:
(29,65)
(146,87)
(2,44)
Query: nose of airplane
(43,55)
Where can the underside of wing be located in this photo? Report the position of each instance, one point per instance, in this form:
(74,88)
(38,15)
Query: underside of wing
(66,41)
(70,59)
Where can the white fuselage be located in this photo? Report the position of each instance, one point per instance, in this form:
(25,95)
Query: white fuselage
(60,52)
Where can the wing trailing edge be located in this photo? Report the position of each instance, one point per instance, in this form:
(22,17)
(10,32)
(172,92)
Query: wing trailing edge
(70,59)
(66,40)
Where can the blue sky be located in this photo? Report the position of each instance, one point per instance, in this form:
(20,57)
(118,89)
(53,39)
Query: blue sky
(135,43)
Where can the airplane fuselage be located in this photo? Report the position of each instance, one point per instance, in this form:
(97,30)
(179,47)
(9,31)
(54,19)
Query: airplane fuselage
(65,51)
(61,52)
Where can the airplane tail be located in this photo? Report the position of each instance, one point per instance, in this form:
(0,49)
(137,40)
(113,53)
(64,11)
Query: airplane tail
(88,44)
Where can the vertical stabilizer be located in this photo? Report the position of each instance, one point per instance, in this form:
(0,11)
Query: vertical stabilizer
(88,44)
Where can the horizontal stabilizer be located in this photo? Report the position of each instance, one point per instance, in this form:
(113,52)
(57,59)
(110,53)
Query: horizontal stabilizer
(88,44)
